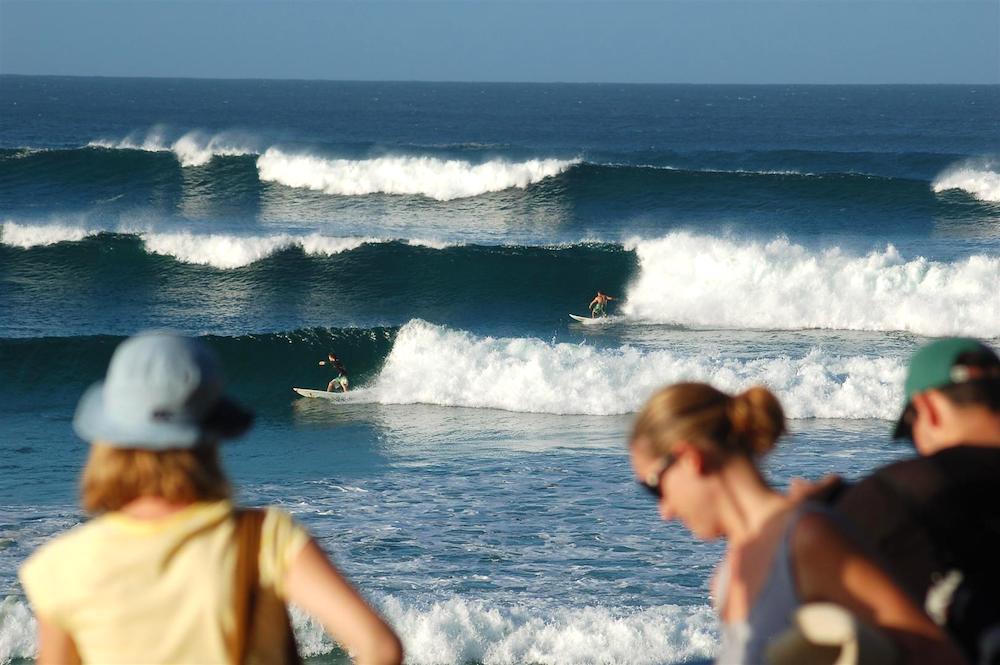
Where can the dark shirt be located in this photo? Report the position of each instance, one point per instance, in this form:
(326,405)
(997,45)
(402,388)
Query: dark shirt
(928,516)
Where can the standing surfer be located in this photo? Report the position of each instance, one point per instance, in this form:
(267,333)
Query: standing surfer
(599,305)
(341,378)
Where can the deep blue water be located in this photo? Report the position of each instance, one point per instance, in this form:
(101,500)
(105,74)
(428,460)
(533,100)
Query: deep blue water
(436,236)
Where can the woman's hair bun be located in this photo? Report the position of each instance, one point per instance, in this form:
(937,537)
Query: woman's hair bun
(756,420)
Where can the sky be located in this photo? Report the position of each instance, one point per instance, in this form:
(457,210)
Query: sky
(657,41)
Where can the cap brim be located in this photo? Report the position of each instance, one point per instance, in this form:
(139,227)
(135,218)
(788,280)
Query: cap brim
(93,421)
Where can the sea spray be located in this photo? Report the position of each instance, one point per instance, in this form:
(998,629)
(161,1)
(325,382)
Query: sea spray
(194,148)
(17,630)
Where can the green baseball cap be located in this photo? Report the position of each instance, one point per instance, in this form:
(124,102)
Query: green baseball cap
(935,365)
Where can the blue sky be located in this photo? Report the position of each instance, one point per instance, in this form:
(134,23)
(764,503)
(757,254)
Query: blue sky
(660,41)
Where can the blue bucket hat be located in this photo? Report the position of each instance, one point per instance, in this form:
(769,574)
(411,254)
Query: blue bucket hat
(162,392)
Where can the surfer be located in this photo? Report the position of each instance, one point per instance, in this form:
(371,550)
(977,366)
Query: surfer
(599,305)
(341,378)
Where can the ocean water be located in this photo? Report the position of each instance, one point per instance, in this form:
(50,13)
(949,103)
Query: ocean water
(474,483)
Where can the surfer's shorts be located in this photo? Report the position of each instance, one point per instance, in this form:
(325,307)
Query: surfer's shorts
(598,310)
(342,380)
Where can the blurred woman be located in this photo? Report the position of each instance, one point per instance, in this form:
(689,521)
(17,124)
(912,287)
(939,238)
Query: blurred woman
(169,570)
(695,449)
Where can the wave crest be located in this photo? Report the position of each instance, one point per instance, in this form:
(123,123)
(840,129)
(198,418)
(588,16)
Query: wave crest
(27,236)
(980,178)
(695,280)
(229,251)
(194,148)
(440,179)
(432,364)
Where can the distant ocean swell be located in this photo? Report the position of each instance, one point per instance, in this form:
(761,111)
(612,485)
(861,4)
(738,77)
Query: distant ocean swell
(441,176)
(460,631)
(424,363)
(679,279)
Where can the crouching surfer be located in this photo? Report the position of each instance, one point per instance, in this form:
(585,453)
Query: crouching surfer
(341,378)
(599,305)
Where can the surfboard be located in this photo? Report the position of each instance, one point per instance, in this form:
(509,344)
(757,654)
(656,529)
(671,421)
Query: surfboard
(587,321)
(319,394)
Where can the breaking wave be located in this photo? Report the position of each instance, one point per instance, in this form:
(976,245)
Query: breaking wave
(194,148)
(459,631)
(436,365)
(695,280)
(980,178)
(27,236)
(433,177)
(218,250)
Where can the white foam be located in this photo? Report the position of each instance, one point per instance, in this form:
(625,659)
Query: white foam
(17,630)
(703,281)
(981,178)
(16,234)
(441,179)
(194,148)
(462,630)
(432,364)
(458,631)
(432,244)
(233,251)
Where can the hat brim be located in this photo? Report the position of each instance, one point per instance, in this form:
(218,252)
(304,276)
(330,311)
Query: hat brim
(94,421)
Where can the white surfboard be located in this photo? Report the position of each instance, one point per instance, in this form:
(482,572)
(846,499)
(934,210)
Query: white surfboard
(319,394)
(588,321)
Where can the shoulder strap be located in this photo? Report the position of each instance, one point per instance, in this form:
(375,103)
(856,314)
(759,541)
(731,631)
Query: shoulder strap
(249,523)
(245,582)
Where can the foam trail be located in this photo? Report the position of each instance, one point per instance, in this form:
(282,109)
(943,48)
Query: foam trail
(470,631)
(229,251)
(26,236)
(703,281)
(432,364)
(192,149)
(435,178)
(981,178)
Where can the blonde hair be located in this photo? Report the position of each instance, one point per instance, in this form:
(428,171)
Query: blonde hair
(114,477)
(719,424)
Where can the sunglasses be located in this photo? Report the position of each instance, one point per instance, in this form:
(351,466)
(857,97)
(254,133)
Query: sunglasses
(653,481)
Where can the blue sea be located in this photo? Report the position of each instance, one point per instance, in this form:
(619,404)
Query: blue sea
(474,483)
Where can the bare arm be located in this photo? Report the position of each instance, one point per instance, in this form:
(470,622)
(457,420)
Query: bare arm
(55,646)
(316,586)
(829,568)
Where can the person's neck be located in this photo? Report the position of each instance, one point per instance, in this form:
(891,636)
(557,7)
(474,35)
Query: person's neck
(971,427)
(748,504)
(152,507)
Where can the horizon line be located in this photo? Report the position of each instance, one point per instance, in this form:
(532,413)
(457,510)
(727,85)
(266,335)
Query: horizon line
(472,82)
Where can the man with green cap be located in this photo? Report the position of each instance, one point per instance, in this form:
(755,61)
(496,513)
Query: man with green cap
(935,520)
